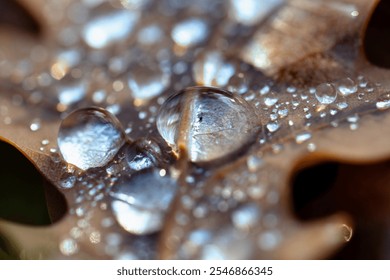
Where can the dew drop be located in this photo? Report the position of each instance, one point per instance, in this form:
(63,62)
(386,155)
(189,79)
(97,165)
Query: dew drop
(270,99)
(35,125)
(68,247)
(246,216)
(146,82)
(302,137)
(190,32)
(238,84)
(273,126)
(109,27)
(325,93)
(142,154)
(254,163)
(67,181)
(250,12)
(227,245)
(90,137)
(346,86)
(210,69)
(383,102)
(208,122)
(141,201)
(269,240)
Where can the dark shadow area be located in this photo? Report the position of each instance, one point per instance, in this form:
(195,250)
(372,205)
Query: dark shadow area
(362,191)
(377,39)
(22,195)
(14,15)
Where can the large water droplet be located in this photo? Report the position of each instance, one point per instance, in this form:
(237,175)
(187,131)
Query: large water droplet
(90,137)
(325,93)
(190,32)
(141,201)
(148,81)
(208,122)
(109,27)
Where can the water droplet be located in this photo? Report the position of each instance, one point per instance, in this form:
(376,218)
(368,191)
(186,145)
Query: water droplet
(342,105)
(272,126)
(35,125)
(246,217)
(90,137)
(383,102)
(142,154)
(148,81)
(67,180)
(271,99)
(194,242)
(283,112)
(210,69)
(325,93)
(150,35)
(311,147)
(226,244)
(190,32)
(109,27)
(269,240)
(302,137)
(346,86)
(209,122)
(250,12)
(254,163)
(238,84)
(70,91)
(68,247)
(141,201)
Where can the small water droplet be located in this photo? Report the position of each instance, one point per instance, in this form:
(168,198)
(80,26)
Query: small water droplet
(146,82)
(246,217)
(109,27)
(141,201)
(142,154)
(346,86)
(190,32)
(272,126)
(68,247)
(210,69)
(311,147)
(67,180)
(270,100)
(269,240)
(302,137)
(238,84)
(254,163)
(250,12)
(226,244)
(209,122)
(90,137)
(325,93)
(383,102)
(35,125)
